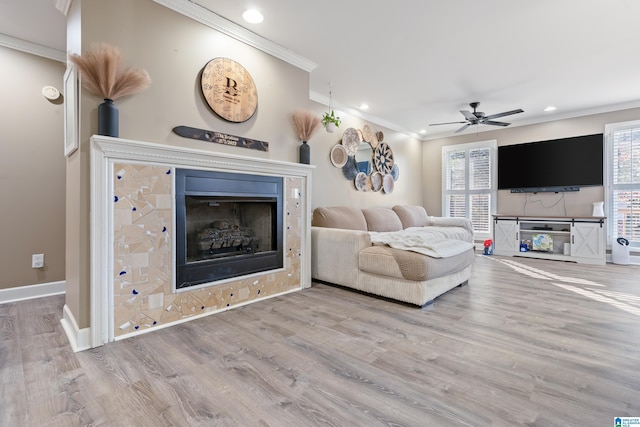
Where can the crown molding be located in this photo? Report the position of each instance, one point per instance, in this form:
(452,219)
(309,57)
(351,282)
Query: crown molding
(233,30)
(32,48)
(323,99)
(63,5)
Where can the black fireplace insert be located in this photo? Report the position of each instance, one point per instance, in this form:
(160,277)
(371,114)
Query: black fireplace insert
(227,225)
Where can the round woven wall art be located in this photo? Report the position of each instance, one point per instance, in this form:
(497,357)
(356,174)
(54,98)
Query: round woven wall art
(383,158)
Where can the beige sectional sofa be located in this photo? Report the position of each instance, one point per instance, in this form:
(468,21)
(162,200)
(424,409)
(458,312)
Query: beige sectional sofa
(350,247)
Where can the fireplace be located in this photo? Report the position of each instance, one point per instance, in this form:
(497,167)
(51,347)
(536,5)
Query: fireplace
(227,225)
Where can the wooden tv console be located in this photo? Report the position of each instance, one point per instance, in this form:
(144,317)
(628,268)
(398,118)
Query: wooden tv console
(584,236)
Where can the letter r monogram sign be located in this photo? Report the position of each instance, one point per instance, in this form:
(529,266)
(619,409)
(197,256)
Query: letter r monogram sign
(229,90)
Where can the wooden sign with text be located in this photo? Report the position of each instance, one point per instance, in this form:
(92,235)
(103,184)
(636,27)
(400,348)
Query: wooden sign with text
(220,138)
(229,90)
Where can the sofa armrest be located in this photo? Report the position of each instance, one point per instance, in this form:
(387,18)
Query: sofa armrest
(334,254)
(442,221)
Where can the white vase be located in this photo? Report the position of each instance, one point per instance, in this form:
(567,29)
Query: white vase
(598,209)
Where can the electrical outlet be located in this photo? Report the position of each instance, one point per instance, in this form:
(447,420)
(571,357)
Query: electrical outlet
(37,260)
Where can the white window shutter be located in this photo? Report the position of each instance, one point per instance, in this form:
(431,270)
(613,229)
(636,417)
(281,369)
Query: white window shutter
(468,183)
(624,182)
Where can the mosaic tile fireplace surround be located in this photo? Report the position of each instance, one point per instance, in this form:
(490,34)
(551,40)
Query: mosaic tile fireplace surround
(133,277)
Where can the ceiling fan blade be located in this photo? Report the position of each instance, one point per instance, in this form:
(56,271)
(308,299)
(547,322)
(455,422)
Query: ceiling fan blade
(506,113)
(463,128)
(448,123)
(468,115)
(492,123)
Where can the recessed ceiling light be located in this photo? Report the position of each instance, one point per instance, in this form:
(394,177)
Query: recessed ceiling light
(550,108)
(253,16)
(423,131)
(364,106)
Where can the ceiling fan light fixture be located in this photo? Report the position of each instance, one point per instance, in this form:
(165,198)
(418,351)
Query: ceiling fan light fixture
(479,118)
(253,16)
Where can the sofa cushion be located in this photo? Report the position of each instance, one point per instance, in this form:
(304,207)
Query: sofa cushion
(382,219)
(412,216)
(339,217)
(386,261)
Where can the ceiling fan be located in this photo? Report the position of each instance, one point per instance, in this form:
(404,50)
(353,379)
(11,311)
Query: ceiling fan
(479,118)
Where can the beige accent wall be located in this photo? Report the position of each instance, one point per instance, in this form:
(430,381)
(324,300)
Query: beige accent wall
(32,170)
(174,49)
(577,204)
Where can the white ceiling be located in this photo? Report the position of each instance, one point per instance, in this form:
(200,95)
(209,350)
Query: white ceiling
(420,62)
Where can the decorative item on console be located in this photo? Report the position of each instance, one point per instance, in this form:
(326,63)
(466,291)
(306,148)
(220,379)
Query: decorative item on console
(103,75)
(366,160)
(306,125)
(598,209)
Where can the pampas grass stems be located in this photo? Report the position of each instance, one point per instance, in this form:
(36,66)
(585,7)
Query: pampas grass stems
(103,75)
(306,124)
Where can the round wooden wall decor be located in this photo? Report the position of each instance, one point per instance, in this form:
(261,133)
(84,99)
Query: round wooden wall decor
(229,90)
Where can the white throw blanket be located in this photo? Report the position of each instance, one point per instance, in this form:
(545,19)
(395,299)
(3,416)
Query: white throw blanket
(436,242)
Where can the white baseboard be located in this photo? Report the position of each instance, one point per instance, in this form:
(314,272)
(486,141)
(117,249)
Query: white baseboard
(80,339)
(21,293)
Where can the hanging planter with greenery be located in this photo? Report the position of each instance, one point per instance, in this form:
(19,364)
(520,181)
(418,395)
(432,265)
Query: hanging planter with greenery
(330,121)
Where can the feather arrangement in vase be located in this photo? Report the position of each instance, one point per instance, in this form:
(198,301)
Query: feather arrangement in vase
(306,125)
(103,74)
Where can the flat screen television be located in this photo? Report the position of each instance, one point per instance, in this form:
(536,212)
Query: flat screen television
(551,166)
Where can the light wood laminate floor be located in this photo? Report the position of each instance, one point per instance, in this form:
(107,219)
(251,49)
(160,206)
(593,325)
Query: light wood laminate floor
(527,342)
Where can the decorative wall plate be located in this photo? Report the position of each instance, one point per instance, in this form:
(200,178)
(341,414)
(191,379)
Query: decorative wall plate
(351,141)
(376,181)
(368,184)
(374,141)
(367,134)
(338,155)
(361,181)
(229,90)
(383,158)
(395,171)
(387,184)
(350,169)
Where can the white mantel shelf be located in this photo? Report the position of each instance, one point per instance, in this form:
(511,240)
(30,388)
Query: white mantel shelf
(127,149)
(105,152)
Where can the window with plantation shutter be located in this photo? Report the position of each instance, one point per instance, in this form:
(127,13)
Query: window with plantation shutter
(469,184)
(623,181)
